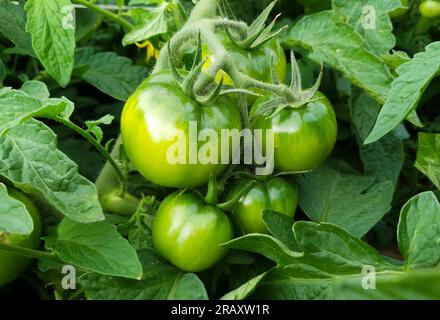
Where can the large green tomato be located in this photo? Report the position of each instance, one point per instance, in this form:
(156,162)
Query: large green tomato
(430,9)
(12,266)
(188,232)
(160,129)
(256,62)
(303,137)
(275,194)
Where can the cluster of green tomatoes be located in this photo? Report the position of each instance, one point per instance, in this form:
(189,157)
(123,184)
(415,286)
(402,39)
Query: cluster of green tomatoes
(188,229)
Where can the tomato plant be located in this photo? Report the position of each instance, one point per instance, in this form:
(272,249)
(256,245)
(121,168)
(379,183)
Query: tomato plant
(219,149)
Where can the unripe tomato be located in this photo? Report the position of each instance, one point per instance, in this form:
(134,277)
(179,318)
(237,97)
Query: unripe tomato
(256,62)
(151,122)
(187,232)
(430,9)
(275,194)
(11,265)
(303,137)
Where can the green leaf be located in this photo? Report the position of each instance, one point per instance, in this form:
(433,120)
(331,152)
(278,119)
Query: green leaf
(334,263)
(245,289)
(86,22)
(53,39)
(428,156)
(414,119)
(302,282)
(110,73)
(280,226)
(396,58)
(338,45)
(370,19)
(14,217)
(93,126)
(95,247)
(383,159)
(17,107)
(29,158)
(406,90)
(334,250)
(160,281)
(36,89)
(13,25)
(150,28)
(323,196)
(419,231)
(265,245)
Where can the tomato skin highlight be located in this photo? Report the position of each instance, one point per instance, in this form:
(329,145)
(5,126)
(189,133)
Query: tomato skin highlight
(275,194)
(430,9)
(255,62)
(187,232)
(11,265)
(303,137)
(152,117)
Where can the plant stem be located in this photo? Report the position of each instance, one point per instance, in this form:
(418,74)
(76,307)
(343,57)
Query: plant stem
(203,9)
(98,147)
(106,13)
(228,205)
(211,197)
(31,253)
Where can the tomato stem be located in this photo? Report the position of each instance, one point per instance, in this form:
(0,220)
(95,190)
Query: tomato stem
(106,13)
(211,197)
(98,147)
(203,9)
(31,253)
(227,206)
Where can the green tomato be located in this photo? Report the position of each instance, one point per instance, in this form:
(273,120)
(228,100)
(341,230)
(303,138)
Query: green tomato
(187,232)
(430,9)
(400,12)
(157,115)
(303,137)
(11,265)
(256,62)
(275,194)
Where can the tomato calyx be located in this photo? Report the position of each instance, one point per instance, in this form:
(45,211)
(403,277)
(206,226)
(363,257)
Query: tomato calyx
(257,33)
(211,93)
(187,79)
(294,96)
